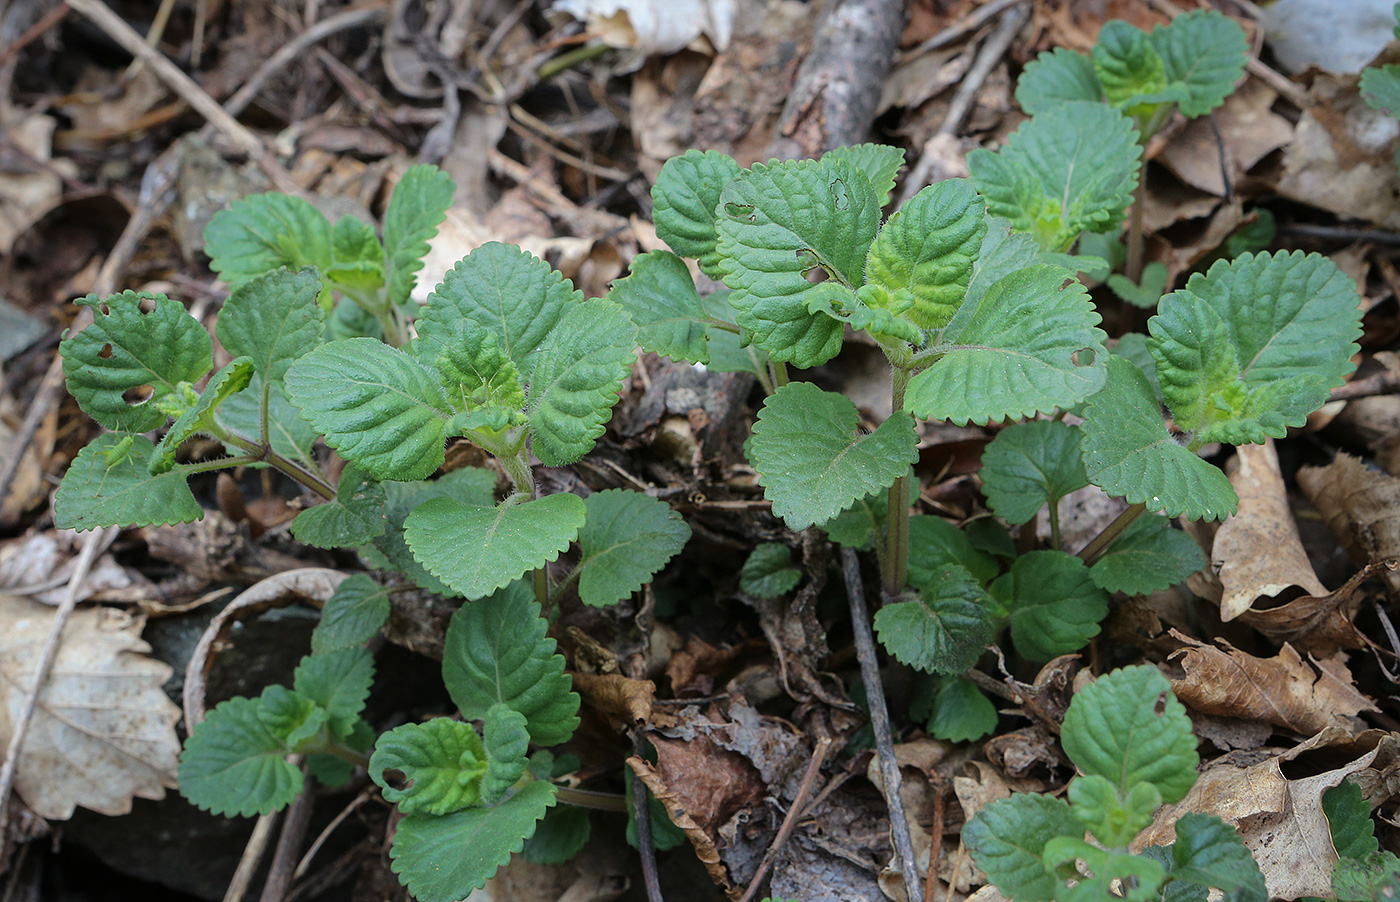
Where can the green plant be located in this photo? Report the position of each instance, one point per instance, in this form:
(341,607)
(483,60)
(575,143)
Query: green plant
(1132,743)
(1363,872)
(1380,85)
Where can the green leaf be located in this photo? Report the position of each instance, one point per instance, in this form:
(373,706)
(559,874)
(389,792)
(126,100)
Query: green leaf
(507,743)
(1029,465)
(934,543)
(421,200)
(1054,606)
(1149,556)
(355,517)
(1107,871)
(469,485)
(231,379)
(1205,52)
(1113,819)
(476,372)
(920,263)
(515,295)
(960,712)
(263,232)
(375,404)
(1003,252)
(1007,840)
(477,550)
(857,524)
(768,572)
(1380,88)
(442,761)
(665,835)
(942,629)
(296,721)
(880,163)
(233,765)
(339,682)
(274,319)
(811,462)
(659,295)
(1030,345)
(989,537)
(1349,820)
(443,859)
(126,351)
(1128,451)
(352,615)
(777,224)
(1255,344)
(1144,295)
(1376,877)
(559,837)
(1056,77)
(1129,68)
(290,435)
(1208,852)
(576,379)
(496,650)
(626,538)
(119,490)
(1128,728)
(684,199)
(358,255)
(1062,173)
(730,352)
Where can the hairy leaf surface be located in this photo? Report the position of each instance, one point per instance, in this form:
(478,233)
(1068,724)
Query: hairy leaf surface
(1007,840)
(1205,52)
(1055,608)
(273,319)
(420,201)
(943,628)
(1058,76)
(1029,465)
(262,232)
(626,539)
(352,615)
(354,517)
(684,199)
(232,764)
(1149,556)
(768,572)
(110,485)
(660,297)
(442,761)
(880,163)
(337,681)
(231,379)
(507,740)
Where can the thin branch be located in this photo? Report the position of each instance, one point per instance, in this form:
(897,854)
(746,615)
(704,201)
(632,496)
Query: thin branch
(794,814)
(289,841)
(642,814)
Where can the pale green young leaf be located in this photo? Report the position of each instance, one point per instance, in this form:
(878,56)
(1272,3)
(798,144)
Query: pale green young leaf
(1114,819)
(108,484)
(1133,347)
(357,253)
(469,485)
(1007,841)
(768,572)
(274,319)
(420,201)
(497,651)
(262,232)
(1003,252)
(811,461)
(126,351)
(293,718)
(1380,88)
(231,379)
(507,743)
(1029,465)
(290,435)
(1205,52)
(476,372)
(375,404)
(959,712)
(934,543)
(559,837)
(943,628)
(337,681)
(1349,821)
(442,761)
(477,550)
(1145,294)
(1058,76)
(777,224)
(626,539)
(1129,69)
(1128,728)
(444,859)
(684,199)
(857,524)
(576,379)
(352,615)
(1030,345)
(1209,853)
(1064,172)
(1129,452)
(232,764)
(921,261)
(883,323)
(354,517)
(1255,344)
(880,163)
(660,297)
(1149,556)
(517,296)
(1054,606)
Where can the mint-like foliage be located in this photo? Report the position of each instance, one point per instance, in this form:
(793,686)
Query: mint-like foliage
(354,517)
(1210,854)
(233,764)
(272,318)
(1029,345)
(352,615)
(469,485)
(479,375)
(1349,821)
(1055,77)
(338,682)
(1130,70)
(287,433)
(496,651)
(109,484)
(1062,173)
(1377,876)
(780,223)
(810,460)
(1052,603)
(1029,465)
(943,628)
(123,366)
(443,859)
(1148,556)
(230,379)
(1204,52)
(959,712)
(442,761)
(934,543)
(660,297)
(626,538)
(559,837)
(684,199)
(768,572)
(1380,88)
(857,524)
(263,232)
(506,739)
(1007,840)
(1129,452)
(1255,344)
(419,203)
(505,541)
(880,163)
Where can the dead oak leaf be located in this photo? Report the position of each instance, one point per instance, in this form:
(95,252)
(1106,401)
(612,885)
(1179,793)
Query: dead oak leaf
(103,730)
(1359,505)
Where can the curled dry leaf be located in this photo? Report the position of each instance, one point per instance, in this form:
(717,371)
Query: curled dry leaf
(1285,690)
(103,731)
(1361,507)
(1318,624)
(1258,552)
(704,847)
(624,702)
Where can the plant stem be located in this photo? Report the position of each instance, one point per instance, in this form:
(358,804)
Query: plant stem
(1132,267)
(1054,522)
(260,453)
(894,557)
(1095,549)
(778,373)
(565,61)
(588,798)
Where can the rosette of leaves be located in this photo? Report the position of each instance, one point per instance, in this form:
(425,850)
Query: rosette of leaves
(1132,743)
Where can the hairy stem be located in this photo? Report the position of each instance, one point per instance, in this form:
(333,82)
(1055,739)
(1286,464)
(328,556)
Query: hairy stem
(263,453)
(588,798)
(1095,549)
(1054,523)
(894,556)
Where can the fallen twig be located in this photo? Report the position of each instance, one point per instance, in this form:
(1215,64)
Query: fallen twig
(964,26)
(642,814)
(794,814)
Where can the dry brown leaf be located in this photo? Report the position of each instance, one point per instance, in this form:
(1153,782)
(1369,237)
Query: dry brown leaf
(1360,506)
(27,189)
(624,702)
(704,846)
(103,731)
(1320,625)
(1284,690)
(1257,552)
(1210,150)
